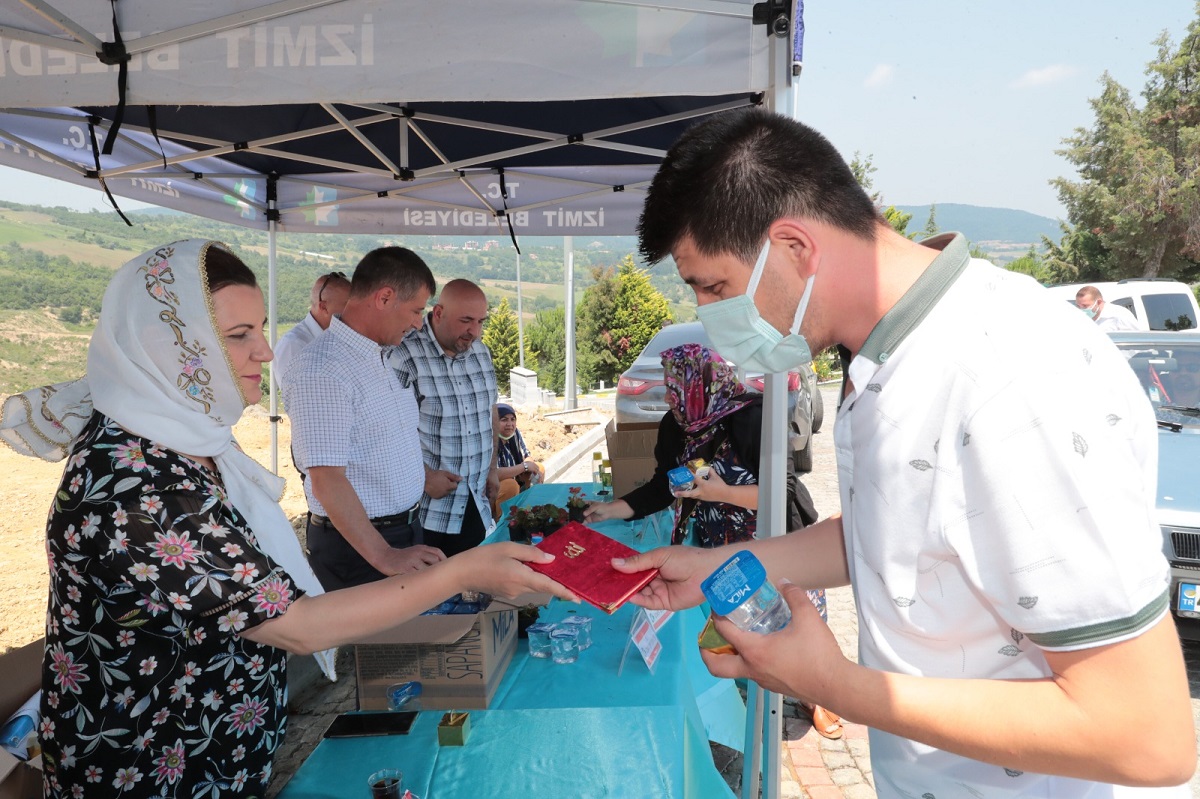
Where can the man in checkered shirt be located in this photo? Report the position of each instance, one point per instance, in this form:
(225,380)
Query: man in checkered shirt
(452,372)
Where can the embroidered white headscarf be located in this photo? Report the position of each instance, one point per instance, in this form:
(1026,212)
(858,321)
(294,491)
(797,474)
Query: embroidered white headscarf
(157,366)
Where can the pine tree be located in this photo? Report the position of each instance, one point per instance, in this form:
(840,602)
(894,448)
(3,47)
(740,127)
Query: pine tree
(501,337)
(639,313)
(546,340)
(1137,189)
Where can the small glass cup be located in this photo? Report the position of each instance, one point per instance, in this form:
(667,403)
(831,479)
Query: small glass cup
(386,783)
(564,643)
(539,639)
(584,625)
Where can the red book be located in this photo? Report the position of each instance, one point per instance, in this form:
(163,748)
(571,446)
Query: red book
(583,563)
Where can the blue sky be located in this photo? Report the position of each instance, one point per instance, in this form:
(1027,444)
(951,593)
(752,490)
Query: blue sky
(957,100)
(966,101)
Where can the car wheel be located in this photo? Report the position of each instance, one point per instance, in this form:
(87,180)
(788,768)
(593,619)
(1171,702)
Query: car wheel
(818,408)
(802,459)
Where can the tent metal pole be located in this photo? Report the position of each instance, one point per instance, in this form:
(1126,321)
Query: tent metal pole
(752,749)
(272,321)
(520,317)
(773,485)
(569,400)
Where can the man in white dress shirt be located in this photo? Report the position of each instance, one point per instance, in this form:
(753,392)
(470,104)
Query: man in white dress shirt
(1107,316)
(326,300)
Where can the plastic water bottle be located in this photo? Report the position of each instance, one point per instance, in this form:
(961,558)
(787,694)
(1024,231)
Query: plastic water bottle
(739,590)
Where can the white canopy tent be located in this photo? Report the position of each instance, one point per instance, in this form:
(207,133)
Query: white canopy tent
(520,117)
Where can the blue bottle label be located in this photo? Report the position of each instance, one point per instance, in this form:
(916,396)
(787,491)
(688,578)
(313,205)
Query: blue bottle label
(734,582)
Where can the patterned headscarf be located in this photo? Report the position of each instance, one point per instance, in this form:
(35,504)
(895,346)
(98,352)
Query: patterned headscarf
(157,366)
(702,389)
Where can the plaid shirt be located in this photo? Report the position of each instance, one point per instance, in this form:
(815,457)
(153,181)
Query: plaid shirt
(455,396)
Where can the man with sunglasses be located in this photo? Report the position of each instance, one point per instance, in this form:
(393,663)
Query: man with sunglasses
(326,300)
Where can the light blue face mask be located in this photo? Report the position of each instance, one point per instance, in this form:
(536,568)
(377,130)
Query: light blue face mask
(741,335)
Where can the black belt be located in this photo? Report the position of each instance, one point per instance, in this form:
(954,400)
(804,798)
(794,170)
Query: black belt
(405,517)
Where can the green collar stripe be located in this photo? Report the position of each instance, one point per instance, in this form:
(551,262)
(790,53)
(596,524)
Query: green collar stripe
(1104,631)
(907,313)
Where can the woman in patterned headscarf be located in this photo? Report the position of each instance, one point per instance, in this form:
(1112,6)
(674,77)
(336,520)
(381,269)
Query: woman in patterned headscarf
(177,586)
(713,417)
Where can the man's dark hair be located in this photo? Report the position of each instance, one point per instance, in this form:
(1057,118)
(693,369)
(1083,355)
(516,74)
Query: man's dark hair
(397,268)
(729,177)
(222,268)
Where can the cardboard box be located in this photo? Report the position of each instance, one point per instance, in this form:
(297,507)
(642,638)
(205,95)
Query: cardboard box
(459,660)
(22,670)
(631,454)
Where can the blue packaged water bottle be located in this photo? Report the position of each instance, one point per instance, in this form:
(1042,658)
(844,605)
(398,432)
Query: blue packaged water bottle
(739,591)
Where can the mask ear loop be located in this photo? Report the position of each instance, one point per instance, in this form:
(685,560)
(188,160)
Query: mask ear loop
(757,274)
(803,306)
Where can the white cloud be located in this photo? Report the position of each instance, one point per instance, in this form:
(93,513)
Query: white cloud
(1044,76)
(881,75)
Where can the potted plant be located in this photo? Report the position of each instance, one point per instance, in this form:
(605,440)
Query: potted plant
(527,615)
(576,504)
(550,517)
(521,524)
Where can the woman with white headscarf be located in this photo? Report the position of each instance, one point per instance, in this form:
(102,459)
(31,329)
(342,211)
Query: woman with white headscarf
(177,586)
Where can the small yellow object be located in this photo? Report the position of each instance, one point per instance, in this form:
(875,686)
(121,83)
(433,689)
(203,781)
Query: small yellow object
(713,641)
(454,728)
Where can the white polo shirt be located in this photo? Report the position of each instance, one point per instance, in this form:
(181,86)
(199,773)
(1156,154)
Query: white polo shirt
(997,466)
(1114,317)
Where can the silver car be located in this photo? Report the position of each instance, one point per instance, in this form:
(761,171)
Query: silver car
(1168,366)
(641,393)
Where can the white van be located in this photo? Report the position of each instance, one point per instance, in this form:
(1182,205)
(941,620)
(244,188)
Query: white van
(1158,303)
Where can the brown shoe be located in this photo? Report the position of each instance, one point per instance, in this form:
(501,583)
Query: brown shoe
(826,723)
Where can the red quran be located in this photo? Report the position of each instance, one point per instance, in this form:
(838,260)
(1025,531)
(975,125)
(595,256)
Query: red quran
(583,563)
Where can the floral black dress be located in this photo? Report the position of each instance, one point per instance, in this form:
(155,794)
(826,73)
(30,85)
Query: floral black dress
(147,690)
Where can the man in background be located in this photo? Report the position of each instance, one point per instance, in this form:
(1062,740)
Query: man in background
(455,382)
(326,300)
(354,428)
(1107,317)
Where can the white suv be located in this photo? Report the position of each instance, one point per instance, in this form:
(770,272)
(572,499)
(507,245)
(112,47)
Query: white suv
(1158,303)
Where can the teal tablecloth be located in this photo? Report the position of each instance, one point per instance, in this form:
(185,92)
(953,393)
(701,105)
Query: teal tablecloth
(553,730)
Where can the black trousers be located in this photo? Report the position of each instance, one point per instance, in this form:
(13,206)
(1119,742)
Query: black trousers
(471,535)
(338,565)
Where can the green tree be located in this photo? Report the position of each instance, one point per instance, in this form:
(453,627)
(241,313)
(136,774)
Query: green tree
(1137,189)
(931,225)
(595,359)
(618,315)
(1031,264)
(641,311)
(898,220)
(546,339)
(501,338)
(863,167)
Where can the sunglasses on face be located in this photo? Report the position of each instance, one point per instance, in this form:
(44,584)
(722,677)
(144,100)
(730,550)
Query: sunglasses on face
(330,276)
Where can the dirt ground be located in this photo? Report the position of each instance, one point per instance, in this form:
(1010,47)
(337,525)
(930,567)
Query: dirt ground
(26,492)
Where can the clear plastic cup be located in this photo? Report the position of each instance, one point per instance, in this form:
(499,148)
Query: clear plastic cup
(564,643)
(739,591)
(584,625)
(539,639)
(386,783)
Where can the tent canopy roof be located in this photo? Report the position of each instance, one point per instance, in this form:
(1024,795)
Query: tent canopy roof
(359,116)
